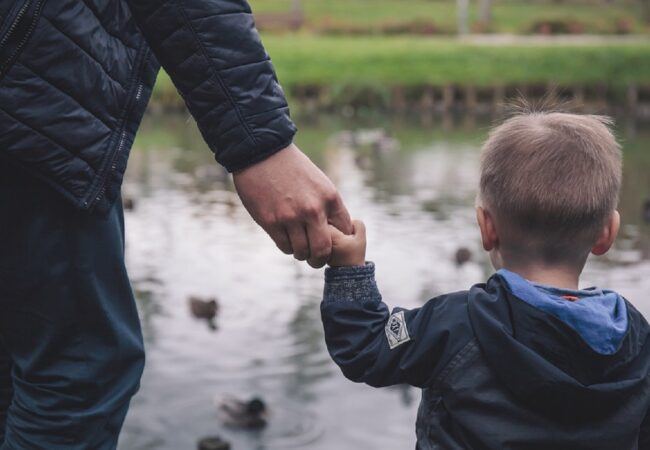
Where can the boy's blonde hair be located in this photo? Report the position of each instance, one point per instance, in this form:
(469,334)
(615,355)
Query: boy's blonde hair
(551,180)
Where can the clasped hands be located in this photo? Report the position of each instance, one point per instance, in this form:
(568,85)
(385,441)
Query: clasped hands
(301,209)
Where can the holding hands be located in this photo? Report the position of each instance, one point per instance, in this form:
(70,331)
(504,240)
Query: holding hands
(348,250)
(295,203)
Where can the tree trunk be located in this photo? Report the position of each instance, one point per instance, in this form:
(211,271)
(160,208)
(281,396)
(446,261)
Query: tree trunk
(485,13)
(463,16)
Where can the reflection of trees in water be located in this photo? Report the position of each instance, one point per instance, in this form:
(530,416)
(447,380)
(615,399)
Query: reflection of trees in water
(309,358)
(389,174)
(635,191)
(149,307)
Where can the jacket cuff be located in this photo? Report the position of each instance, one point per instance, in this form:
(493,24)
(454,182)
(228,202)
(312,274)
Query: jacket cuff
(242,163)
(351,284)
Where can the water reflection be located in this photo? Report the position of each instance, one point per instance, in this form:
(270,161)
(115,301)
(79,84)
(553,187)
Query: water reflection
(188,234)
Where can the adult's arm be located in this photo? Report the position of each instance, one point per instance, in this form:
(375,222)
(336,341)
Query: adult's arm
(214,56)
(216,59)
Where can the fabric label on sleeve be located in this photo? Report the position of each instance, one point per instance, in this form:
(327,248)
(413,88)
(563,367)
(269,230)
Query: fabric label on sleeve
(396,330)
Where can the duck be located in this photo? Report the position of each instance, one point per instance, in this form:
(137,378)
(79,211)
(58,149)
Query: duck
(463,255)
(128,203)
(250,414)
(205,309)
(213,443)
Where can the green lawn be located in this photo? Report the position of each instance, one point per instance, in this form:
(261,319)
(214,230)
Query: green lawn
(512,16)
(408,61)
(411,61)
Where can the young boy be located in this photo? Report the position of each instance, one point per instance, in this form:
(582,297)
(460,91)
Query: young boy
(527,360)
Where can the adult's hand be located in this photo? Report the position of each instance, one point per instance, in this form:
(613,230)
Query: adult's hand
(294,201)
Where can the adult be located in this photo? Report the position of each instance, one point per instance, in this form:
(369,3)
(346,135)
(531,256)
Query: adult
(75,78)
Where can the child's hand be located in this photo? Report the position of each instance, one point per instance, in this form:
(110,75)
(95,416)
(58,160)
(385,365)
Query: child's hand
(348,250)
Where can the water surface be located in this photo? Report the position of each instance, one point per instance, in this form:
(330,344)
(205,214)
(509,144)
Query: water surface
(189,235)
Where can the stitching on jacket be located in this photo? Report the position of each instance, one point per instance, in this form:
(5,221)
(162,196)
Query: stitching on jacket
(456,360)
(225,14)
(252,116)
(93,58)
(64,92)
(198,85)
(187,58)
(46,137)
(163,41)
(261,156)
(226,69)
(211,110)
(150,14)
(105,28)
(215,71)
(232,128)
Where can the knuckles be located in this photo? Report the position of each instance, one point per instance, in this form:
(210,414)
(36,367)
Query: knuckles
(332,197)
(301,255)
(312,211)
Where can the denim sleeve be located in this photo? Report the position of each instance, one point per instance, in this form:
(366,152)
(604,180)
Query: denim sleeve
(379,347)
(215,57)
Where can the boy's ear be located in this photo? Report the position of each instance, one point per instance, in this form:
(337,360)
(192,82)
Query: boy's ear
(607,235)
(488,229)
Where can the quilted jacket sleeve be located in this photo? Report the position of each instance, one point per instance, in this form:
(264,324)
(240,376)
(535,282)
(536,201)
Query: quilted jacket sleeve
(216,59)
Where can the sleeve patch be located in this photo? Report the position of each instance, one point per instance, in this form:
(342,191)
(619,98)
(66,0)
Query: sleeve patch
(396,330)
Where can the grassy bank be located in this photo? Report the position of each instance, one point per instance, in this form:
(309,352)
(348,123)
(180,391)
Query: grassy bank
(508,16)
(382,62)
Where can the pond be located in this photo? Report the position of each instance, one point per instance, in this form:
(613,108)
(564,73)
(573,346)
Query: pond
(188,234)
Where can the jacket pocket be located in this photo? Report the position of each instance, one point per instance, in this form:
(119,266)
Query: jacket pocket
(16,30)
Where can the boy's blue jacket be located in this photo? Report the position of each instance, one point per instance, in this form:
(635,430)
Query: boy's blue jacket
(496,372)
(76,76)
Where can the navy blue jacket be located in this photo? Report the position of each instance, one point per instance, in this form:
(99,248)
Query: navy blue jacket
(496,373)
(76,76)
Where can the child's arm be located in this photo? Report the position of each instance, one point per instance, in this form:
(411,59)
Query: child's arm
(369,343)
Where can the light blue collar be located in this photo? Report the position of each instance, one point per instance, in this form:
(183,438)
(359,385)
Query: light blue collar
(599,316)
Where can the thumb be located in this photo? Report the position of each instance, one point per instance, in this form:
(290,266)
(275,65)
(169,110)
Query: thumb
(339,216)
(336,233)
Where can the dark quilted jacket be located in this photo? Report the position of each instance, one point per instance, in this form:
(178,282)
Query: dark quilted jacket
(75,78)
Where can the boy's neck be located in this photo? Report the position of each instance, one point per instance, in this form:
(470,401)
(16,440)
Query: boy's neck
(556,276)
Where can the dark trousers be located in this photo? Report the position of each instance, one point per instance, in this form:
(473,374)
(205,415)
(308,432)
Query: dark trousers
(71,351)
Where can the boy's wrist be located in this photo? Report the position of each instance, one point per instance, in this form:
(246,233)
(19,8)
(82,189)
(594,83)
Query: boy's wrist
(351,283)
(333,273)
(352,256)
(343,262)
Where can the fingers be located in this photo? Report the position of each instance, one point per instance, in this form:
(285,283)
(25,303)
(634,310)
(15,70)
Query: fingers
(359,229)
(339,216)
(320,243)
(281,239)
(299,241)
(335,233)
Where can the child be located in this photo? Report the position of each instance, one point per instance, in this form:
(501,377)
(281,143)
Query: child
(527,360)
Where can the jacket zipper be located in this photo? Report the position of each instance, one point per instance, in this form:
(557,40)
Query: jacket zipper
(6,63)
(113,166)
(120,146)
(14,24)
(95,198)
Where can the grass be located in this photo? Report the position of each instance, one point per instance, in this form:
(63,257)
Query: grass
(510,16)
(410,61)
